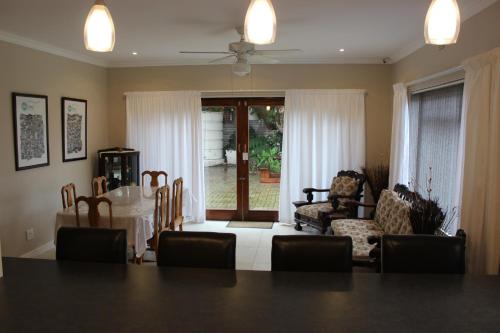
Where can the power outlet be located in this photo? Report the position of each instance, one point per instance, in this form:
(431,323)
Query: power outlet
(30,234)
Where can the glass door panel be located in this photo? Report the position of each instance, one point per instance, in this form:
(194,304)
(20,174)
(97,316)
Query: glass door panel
(265,135)
(219,156)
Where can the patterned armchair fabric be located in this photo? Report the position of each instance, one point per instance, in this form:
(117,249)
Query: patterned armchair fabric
(312,211)
(359,231)
(344,185)
(392,216)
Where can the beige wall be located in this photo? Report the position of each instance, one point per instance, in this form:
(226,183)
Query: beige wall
(478,34)
(376,79)
(30,198)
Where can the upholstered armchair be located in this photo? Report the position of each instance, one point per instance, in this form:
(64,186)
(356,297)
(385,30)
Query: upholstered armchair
(346,186)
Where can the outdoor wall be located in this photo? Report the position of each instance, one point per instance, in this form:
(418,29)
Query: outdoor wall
(30,198)
(376,79)
(478,34)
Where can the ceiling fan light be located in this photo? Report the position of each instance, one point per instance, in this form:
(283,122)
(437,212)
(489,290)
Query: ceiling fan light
(260,22)
(242,68)
(442,23)
(99,30)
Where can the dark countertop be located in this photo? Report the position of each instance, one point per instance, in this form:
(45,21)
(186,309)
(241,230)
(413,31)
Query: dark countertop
(47,296)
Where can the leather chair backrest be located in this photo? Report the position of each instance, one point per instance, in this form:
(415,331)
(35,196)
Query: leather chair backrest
(92,245)
(423,254)
(311,253)
(197,249)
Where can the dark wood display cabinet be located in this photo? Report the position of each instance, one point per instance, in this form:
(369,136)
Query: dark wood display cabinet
(120,166)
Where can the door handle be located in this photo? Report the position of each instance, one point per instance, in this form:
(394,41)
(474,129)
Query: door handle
(242,178)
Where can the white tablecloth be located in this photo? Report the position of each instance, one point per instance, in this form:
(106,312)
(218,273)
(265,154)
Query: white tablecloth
(133,210)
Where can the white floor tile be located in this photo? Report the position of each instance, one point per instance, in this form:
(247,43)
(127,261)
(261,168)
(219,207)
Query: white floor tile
(263,255)
(246,254)
(261,266)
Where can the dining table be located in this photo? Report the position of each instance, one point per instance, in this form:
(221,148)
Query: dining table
(64,296)
(133,210)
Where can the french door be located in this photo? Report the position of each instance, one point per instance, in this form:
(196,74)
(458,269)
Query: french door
(242,157)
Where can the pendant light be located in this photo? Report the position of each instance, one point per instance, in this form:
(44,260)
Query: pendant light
(99,31)
(442,23)
(260,22)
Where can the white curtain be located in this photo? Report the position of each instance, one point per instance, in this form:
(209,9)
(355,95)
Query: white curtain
(399,171)
(481,183)
(166,128)
(323,133)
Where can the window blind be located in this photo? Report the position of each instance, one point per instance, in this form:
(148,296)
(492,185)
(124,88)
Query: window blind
(435,118)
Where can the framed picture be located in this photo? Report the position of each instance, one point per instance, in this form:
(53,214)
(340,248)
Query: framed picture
(31,130)
(74,129)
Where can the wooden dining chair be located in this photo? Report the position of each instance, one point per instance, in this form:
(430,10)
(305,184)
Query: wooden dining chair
(177,217)
(93,215)
(99,186)
(154,175)
(161,215)
(68,195)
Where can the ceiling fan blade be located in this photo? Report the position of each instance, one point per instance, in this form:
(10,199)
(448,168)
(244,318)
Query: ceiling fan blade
(202,52)
(221,59)
(263,52)
(261,59)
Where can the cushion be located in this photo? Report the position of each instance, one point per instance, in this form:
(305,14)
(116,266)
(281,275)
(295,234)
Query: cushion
(344,185)
(384,207)
(359,231)
(312,211)
(399,218)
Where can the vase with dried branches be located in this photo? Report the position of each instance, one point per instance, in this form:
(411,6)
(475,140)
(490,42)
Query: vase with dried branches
(377,178)
(426,215)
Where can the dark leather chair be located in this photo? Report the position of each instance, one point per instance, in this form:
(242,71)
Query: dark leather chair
(92,244)
(311,253)
(423,254)
(197,249)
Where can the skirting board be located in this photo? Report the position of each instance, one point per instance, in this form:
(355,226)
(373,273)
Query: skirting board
(39,250)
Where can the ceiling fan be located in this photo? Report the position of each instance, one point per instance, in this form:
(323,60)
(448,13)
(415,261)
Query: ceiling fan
(244,54)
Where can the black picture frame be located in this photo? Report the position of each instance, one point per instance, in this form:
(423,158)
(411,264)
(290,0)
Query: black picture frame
(66,156)
(22,164)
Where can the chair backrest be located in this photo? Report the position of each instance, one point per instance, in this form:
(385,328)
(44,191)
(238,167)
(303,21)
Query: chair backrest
(68,195)
(177,217)
(99,186)
(358,182)
(92,244)
(154,175)
(161,214)
(311,253)
(93,213)
(423,254)
(197,249)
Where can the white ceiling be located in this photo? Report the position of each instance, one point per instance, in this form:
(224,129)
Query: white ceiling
(368,30)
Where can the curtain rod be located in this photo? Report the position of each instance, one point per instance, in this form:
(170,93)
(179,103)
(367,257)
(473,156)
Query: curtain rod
(438,86)
(436,75)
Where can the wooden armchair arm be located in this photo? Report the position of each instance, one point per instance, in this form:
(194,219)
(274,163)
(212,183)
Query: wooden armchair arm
(376,253)
(375,240)
(310,190)
(359,204)
(298,204)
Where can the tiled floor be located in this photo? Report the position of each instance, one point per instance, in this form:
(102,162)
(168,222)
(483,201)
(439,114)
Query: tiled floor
(220,187)
(253,246)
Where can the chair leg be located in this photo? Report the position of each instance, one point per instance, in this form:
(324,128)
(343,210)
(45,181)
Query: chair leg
(298,227)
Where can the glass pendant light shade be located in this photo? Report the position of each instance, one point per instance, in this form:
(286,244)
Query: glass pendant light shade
(99,31)
(260,22)
(442,23)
